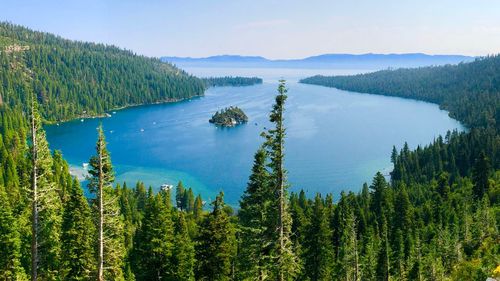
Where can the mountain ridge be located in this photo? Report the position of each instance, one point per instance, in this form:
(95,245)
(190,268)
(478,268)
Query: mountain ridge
(325,60)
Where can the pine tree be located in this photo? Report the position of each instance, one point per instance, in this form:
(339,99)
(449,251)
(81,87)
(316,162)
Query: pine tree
(110,246)
(46,204)
(179,196)
(379,202)
(286,264)
(368,261)
(216,245)
(383,262)
(480,175)
(183,252)
(153,244)
(78,232)
(255,233)
(10,242)
(198,207)
(319,254)
(188,200)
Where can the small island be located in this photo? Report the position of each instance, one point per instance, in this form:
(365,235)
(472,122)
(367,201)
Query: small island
(229,117)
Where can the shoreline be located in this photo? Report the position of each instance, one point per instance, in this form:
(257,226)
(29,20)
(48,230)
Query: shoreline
(105,114)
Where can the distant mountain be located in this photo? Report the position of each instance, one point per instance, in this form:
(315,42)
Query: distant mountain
(216,59)
(369,61)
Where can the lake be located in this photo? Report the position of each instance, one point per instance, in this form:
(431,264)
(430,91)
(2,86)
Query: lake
(336,140)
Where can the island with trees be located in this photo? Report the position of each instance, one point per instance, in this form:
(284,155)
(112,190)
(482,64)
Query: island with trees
(229,117)
(232,81)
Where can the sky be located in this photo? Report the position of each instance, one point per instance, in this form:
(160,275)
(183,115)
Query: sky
(269,28)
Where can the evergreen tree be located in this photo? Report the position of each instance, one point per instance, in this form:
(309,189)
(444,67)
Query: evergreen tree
(383,262)
(183,252)
(480,175)
(198,207)
(216,245)
(286,266)
(78,232)
(46,204)
(379,204)
(10,242)
(179,196)
(347,258)
(368,258)
(188,200)
(319,253)
(255,231)
(153,244)
(110,246)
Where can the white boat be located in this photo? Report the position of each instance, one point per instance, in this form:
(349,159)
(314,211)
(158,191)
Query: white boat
(142,130)
(166,187)
(108,115)
(81,120)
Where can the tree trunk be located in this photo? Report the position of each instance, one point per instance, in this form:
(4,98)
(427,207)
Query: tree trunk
(101,217)
(34,223)
(281,189)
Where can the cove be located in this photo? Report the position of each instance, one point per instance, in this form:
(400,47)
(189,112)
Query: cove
(336,140)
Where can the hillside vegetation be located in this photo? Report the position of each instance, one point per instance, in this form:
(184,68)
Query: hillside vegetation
(437,217)
(469,91)
(73,79)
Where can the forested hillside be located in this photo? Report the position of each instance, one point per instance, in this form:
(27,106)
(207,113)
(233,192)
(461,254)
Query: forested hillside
(235,81)
(73,79)
(469,91)
(436,218)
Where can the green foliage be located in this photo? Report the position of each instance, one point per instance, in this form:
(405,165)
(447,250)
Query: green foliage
(78,236)
(183,258)
(153,243)
(109,220)
(469,91)
(73,79)
(216,247)
(436,218)
(231,81)
(10,242)
(46,203)
(256,232)
(229,117)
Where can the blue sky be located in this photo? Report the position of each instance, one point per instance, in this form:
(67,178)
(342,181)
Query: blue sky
(274,29)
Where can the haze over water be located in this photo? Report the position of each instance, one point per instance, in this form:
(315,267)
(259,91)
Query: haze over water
(336,140)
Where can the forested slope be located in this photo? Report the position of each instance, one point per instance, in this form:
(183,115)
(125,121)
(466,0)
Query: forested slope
(469,91)
(73,79)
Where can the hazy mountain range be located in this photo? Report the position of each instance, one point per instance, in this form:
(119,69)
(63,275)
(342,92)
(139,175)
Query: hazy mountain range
(324,61)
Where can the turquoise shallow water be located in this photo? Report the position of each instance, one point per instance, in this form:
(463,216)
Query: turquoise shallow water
(336,140)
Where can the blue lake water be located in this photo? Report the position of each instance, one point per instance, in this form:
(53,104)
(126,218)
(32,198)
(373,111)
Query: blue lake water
(336,140)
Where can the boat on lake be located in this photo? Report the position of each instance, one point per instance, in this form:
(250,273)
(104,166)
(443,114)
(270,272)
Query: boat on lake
(166,187)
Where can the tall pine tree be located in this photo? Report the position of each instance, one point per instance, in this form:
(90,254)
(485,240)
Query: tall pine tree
(216,247)
(78,233)
(286,265)
(46,215)
(110,246)
(255,232)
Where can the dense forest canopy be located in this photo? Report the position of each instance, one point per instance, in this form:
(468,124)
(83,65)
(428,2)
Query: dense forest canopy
(437,217)
(469,91)
(233,81)
(73,79)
